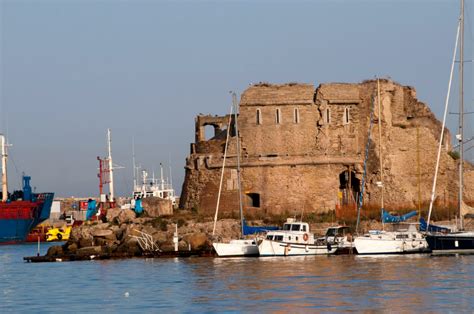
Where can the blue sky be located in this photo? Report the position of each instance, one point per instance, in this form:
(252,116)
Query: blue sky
(71,69)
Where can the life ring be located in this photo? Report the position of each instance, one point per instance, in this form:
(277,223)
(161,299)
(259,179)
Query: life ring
(305,237)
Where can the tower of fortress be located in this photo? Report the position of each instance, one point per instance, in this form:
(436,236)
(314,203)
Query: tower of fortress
(303,148)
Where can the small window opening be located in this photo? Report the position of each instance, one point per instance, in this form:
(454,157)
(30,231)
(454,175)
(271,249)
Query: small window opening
(346,118)
(254,199)
(297,116)
(259,116)
(328,116)
(278,116)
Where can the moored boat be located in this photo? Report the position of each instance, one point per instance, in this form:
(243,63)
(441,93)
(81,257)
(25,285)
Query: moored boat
(22,210)
(447,241)
(234,248)
(341,237)
(294,239)
(455,242)
(402,239)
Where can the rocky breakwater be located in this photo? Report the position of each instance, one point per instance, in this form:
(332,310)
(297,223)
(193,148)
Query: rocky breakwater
(126,235)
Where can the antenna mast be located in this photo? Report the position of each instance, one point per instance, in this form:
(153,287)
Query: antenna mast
(111,167)
(135,174)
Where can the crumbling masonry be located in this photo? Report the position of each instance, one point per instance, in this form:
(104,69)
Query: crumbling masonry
(303,149)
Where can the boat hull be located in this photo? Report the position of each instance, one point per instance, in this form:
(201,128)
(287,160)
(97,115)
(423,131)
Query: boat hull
(277,248)
(462,242)
(369,245)
(14,230)
(236,248)
(18,218)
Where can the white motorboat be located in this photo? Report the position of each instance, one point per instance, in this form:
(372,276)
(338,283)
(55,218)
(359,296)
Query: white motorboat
(294,239)
(236,248)
(402,239)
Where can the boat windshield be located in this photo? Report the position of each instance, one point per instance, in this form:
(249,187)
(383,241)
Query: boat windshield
(286,227)
(331,232)
(295,227)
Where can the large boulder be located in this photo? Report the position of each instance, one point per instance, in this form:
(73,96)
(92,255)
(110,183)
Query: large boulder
(56,250)
(156,207)
(197,240)
(112,213)
(125,216)
(106,234)
(89,250)
(72,248)
(82,232)
(120,216)
(130,246)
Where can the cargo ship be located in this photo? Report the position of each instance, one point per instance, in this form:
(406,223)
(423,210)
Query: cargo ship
(22,210)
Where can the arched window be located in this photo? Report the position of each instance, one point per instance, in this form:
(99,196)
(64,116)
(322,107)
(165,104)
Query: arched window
(278,116)
(259,116)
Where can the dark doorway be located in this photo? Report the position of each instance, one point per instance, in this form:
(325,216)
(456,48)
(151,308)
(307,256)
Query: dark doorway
(349,186)
(253,199)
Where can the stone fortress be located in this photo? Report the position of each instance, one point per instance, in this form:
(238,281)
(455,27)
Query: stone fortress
(303,149)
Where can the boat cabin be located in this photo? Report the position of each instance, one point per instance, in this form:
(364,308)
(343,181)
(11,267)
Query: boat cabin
(292,232)
(339,231)
(296,226)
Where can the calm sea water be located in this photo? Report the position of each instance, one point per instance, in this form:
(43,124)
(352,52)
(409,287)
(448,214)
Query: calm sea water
(292,284)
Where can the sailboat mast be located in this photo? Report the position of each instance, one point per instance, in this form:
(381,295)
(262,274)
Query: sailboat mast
(380,146)
(4,169)
(239,184)
(435,179)
(461,117)
(222,171)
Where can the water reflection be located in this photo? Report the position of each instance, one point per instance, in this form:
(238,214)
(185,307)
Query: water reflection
(395,283)
(291,284)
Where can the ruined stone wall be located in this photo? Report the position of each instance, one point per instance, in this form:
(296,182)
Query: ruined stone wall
(300,142)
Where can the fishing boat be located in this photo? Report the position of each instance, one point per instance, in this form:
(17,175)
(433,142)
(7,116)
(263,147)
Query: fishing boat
(22,210)
(402,238)
(236,247)
(456,241)
(295,238)
(153,187)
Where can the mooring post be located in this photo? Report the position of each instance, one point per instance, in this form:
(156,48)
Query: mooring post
(176,239)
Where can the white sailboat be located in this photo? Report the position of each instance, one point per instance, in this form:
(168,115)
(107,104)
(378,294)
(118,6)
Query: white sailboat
(236,247)
(403,238)
(458,241)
